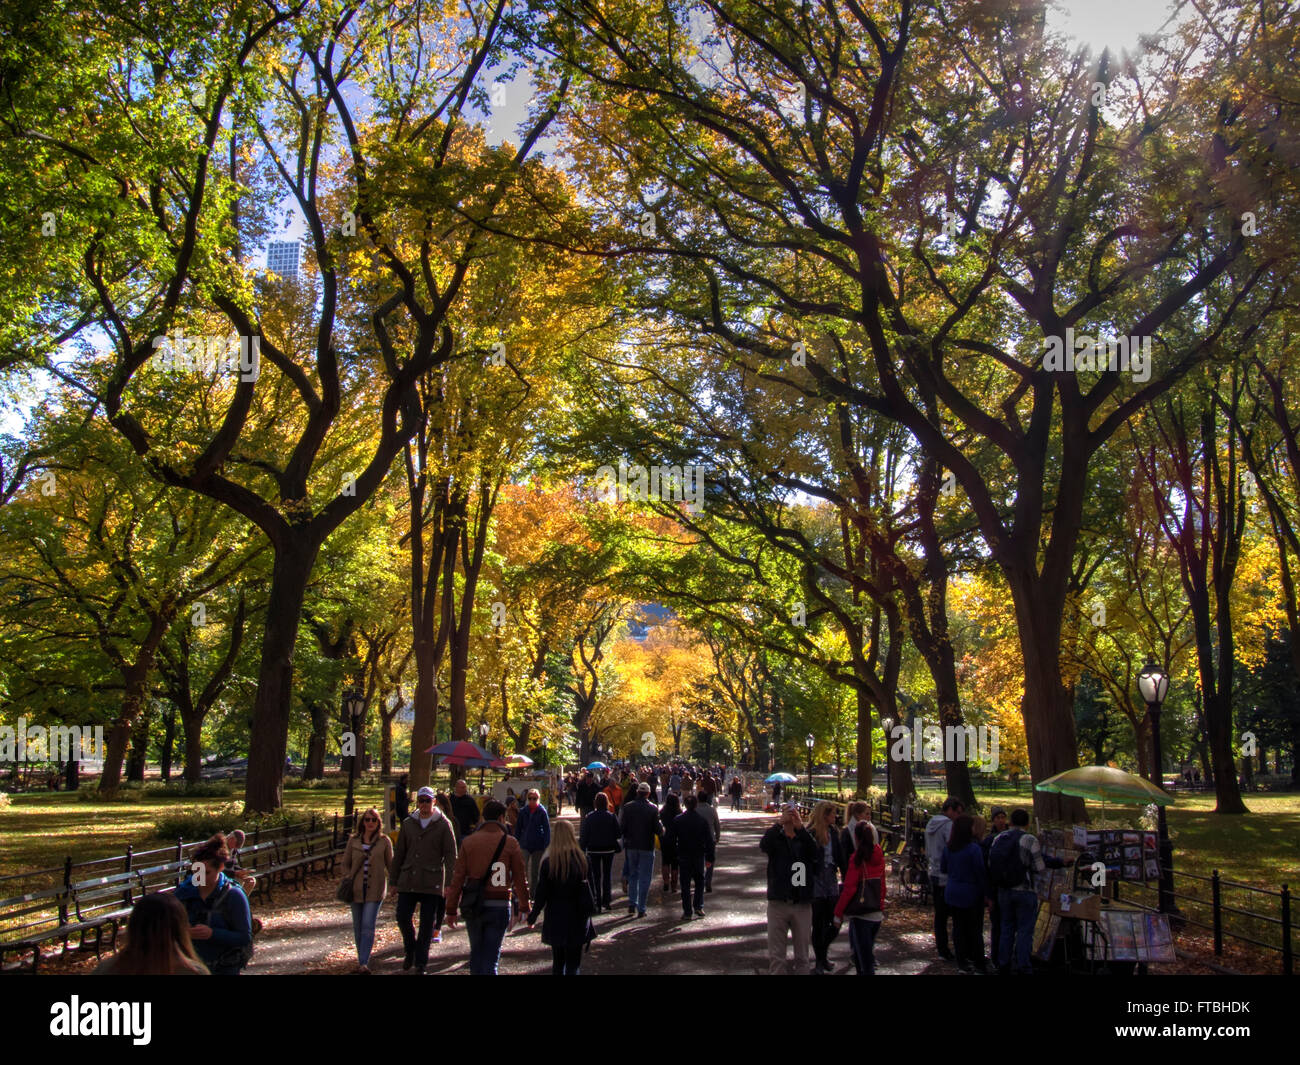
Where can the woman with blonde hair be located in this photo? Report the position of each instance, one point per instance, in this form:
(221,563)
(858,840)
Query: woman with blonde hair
(365,862)
(157,941)
(563,890)
(831,867)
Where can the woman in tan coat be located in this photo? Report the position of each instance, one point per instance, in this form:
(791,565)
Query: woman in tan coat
(366,860)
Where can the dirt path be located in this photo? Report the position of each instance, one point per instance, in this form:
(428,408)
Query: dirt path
(310,932)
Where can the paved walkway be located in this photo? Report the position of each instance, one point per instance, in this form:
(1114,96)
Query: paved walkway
(313,933)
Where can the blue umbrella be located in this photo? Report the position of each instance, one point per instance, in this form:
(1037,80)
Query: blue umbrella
(596,765)
(781,778)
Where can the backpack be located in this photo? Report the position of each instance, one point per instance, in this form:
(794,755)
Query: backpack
(235,956)
(1006,869)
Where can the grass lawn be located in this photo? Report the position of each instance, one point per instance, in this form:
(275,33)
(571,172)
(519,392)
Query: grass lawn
(40,829)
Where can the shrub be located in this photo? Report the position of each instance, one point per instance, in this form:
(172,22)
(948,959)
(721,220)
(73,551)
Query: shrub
(204,789)
(321,784)
(200,822)
(127,791)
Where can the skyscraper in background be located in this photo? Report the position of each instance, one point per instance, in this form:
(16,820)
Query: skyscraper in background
(282,258)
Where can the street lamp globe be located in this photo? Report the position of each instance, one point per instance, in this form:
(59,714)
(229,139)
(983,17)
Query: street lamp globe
(354,701)
(809,740)
(1153,683)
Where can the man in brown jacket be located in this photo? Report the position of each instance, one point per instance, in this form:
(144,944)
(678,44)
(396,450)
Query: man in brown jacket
(423,862)
(492,856)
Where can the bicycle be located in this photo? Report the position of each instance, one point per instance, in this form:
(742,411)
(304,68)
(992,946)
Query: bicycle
(909,865)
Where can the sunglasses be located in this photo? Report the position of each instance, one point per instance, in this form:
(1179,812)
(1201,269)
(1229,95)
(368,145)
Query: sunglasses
(424,799)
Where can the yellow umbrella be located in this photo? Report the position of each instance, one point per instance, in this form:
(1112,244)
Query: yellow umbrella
(1106,784)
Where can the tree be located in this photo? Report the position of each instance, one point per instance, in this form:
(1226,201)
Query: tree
(798,182)
(157,186)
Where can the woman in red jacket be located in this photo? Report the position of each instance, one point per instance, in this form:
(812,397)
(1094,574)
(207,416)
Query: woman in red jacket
(864,924)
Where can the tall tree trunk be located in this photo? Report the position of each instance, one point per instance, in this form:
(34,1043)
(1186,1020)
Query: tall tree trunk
(135,676)
(386,745)
(133,702)
(169,741)
(1047,707)
(138,759)
(192,726)
(317,742)
(269,739)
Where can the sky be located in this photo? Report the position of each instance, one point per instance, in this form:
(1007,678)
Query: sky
(1116,24)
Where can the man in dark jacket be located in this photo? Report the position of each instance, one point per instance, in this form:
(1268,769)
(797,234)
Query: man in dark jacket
(533,830)
(586,796)
(791,862)
(640,822)
(464,809)
(695,851)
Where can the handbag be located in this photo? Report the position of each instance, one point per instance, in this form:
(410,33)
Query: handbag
(867,897)
(345,890)
(474,889)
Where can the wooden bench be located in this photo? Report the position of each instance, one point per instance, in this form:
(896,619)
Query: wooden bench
(102,903)
(260,860)
(29,921)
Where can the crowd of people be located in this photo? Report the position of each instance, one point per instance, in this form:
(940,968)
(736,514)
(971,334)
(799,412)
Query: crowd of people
(496,866)
(977,866)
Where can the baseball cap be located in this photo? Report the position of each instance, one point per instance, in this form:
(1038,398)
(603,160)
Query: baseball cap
(426,793)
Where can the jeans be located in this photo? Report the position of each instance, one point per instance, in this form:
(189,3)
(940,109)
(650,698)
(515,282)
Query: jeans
(487,932)
(823,928)
(995,933)
(1019,911)
(942,912)
(862,941)
(641,870)
(363,929)
(533,865)
(432,907)
(565,960)
(602,866)
(785,919)
(692,866)
(968,934)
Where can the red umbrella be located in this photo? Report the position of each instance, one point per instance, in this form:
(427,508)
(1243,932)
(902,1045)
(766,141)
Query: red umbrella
(462,752)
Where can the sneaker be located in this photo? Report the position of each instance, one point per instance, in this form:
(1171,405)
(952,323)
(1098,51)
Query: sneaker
(688,916)
(699,913)
(631,911)
(640,913)
(829,966)
(437,935)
